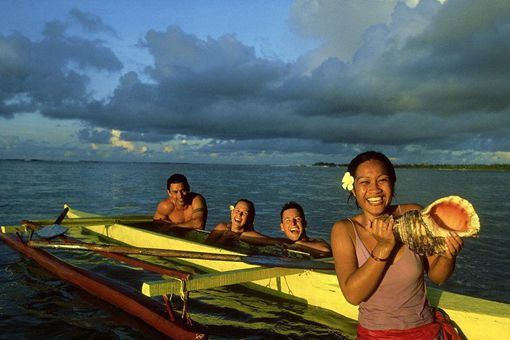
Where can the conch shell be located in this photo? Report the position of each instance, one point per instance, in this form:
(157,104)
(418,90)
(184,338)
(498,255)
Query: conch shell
(424,231)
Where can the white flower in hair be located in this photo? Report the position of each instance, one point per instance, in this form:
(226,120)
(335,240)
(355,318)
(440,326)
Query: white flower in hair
(348,181)
(231,207)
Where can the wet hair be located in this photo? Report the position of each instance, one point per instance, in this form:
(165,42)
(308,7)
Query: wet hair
(252,208)
(372,155)
(292,205)
(177,178)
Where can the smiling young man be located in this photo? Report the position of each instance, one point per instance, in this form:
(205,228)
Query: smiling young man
(182,208)
(293,225)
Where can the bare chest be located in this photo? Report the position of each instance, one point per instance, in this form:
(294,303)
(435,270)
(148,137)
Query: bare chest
(180,215)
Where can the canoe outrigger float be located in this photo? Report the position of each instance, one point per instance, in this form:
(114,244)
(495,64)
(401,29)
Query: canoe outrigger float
(158,315)
(314,283)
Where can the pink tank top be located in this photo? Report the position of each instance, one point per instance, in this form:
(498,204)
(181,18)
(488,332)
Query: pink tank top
(400,301)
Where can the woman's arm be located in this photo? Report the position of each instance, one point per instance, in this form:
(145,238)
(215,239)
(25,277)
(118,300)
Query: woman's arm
(359,282)
(221,226)
(440,268)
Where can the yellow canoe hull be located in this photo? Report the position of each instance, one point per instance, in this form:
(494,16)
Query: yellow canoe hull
(477,318)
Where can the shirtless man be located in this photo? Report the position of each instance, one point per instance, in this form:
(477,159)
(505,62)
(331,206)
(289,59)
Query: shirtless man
(293,225)
(182,208)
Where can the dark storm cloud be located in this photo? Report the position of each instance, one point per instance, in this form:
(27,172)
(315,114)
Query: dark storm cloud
(216,88)
(436,71)
(435,75)
(90,135)
(412,81)
(458,64)
(46,75)
(91,22)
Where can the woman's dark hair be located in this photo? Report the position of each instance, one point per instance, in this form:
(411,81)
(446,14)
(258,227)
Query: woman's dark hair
(372,155)
(252,208)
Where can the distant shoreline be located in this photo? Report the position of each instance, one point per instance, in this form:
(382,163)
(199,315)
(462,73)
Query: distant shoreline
(453,167)
(459,167)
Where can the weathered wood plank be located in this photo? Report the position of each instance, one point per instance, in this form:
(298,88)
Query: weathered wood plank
(212,280)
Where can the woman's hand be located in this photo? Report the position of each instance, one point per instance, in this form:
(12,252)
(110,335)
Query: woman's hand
(454,243)
(382,230)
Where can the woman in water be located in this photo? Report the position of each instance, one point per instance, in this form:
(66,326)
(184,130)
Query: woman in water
(242,217)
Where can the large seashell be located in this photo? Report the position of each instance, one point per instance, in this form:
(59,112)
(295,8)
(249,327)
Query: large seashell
(424,231)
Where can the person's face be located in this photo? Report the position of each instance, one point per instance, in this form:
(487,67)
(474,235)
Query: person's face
(240,216)
(178,192)
(372,187)
(293,224)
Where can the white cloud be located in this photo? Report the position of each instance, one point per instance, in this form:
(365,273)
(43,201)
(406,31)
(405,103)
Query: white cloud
(116,141)
(168,149)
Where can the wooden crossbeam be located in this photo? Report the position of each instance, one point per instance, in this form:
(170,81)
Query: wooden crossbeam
(12,228)
(212,280)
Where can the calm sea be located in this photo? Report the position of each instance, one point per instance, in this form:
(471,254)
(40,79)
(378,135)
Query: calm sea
(34,304)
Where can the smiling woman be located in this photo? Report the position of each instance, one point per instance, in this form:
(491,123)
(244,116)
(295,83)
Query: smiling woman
(241,225)
(383,276)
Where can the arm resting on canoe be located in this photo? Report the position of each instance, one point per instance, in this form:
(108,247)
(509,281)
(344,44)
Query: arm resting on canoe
(440,268)
(313,245)
(163,211)
(256,238)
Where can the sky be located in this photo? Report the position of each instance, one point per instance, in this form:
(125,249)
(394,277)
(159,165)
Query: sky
(255,82)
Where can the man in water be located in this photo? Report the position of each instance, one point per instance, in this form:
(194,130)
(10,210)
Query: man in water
(182,208)
(293,224)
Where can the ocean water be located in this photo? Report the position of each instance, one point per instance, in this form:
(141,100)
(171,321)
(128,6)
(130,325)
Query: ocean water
(35,304)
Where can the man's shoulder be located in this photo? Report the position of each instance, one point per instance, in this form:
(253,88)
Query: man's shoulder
(197,198)
(167,202)
(221,226)
(165,206)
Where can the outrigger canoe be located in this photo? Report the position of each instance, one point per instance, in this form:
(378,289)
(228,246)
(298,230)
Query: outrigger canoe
(475,318)
(156,314)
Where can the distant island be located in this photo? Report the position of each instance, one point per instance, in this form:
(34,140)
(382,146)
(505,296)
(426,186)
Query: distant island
(479,167)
